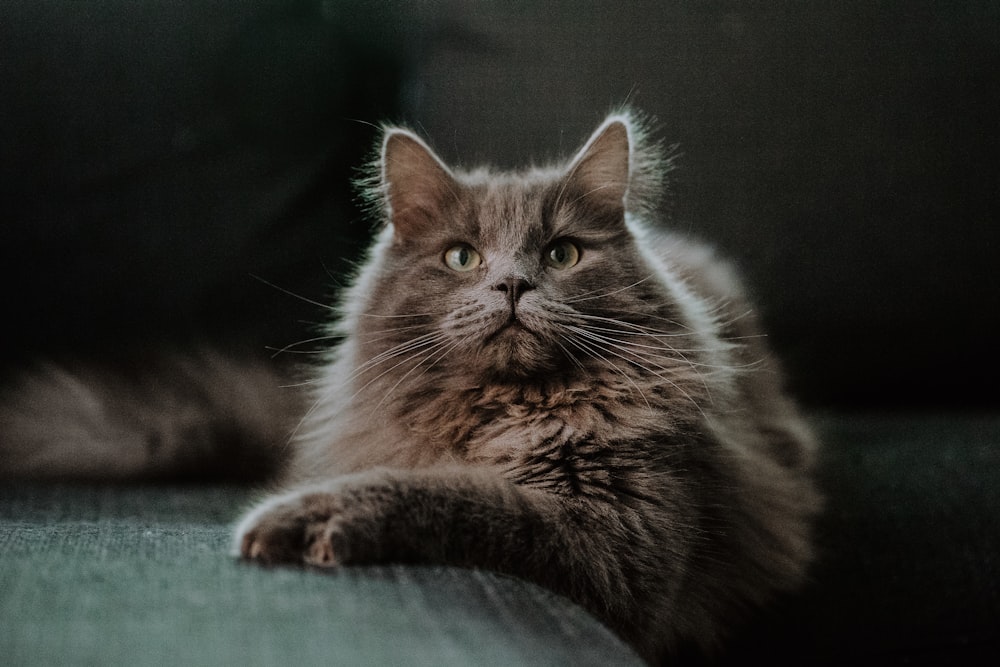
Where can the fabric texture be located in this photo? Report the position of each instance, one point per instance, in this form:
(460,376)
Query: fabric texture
(907,574)
(142,576)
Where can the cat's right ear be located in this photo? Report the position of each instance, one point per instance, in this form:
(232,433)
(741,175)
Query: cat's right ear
(416,184)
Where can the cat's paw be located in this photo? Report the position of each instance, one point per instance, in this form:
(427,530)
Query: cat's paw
(299,528)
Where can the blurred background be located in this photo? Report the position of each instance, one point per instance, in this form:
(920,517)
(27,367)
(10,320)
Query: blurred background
(164,165)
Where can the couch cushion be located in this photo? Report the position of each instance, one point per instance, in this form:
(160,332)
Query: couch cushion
(139,576)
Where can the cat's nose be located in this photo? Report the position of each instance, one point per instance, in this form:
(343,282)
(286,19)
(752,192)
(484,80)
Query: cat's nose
(514,287)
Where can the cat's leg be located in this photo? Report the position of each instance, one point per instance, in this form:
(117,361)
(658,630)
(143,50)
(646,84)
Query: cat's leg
(468,517)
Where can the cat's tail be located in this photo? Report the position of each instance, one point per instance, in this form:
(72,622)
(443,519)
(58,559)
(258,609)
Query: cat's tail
(170,416)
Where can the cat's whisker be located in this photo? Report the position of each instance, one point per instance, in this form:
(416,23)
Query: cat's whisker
(303,383)
(674,354)
(382,334)
(645,315)
(445,352)
(417,343)
(638,332)
(589,350)
(377,332)
(402,316)
(593,294)
(424,356)
(291,346)
(632,332)
(629,338)
(324,306)
(569,355)
(422,353)
(647,365)
(672,350)
(581,296)
(411,348)
(673,384)
(635,327)
(403,346)
(613,343)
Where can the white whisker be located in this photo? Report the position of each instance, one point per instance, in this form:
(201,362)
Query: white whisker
(672,350)
(423,351)
(589,350)
(610,348)
(324,306)
(409,346)
(403,316)
(634,327)
(423,346)
(291,346)
(424,356)
(586,296)
(571,357)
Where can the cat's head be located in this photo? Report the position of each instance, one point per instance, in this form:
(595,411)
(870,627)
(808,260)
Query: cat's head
(510,274)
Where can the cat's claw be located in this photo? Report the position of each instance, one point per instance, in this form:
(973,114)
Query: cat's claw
(251,550)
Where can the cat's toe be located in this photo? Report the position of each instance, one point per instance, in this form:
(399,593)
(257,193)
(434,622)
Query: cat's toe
(272,545)
(276,538)
(251,549)
(324,545)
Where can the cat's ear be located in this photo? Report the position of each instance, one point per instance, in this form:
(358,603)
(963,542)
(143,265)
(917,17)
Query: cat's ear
(600,170)
(416,184)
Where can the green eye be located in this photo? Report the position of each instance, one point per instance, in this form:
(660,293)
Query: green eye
(462,258)
(562,255)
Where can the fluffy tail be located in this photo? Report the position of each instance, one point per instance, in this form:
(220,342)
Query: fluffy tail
(194,416)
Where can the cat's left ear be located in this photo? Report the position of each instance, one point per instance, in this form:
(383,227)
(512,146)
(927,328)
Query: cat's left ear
(600,171)
(416,184)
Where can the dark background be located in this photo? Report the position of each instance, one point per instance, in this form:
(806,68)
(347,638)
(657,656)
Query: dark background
(155,157)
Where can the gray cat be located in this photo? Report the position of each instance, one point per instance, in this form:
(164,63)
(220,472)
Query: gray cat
(533,378)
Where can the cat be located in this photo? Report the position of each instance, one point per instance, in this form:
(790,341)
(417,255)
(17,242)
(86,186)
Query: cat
(535,378)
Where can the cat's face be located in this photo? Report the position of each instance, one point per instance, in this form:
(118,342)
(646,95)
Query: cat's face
(506,275)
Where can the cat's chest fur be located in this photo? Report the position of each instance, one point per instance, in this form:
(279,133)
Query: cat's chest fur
(563,436)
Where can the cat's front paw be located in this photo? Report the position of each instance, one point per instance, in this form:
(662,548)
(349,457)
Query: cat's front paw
(302,528)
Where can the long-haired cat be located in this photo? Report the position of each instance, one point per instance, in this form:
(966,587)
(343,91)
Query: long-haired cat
(534,379)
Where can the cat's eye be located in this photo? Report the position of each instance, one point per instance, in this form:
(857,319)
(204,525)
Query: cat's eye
(462,258)
(562,254)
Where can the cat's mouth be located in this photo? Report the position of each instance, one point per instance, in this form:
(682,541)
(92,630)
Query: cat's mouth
(512,327)
(515,349)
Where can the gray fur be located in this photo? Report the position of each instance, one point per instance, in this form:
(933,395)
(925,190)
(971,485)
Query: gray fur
(147,416)
(626,442)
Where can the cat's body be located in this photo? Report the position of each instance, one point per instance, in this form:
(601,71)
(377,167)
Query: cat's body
(578,399)
(534,379)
